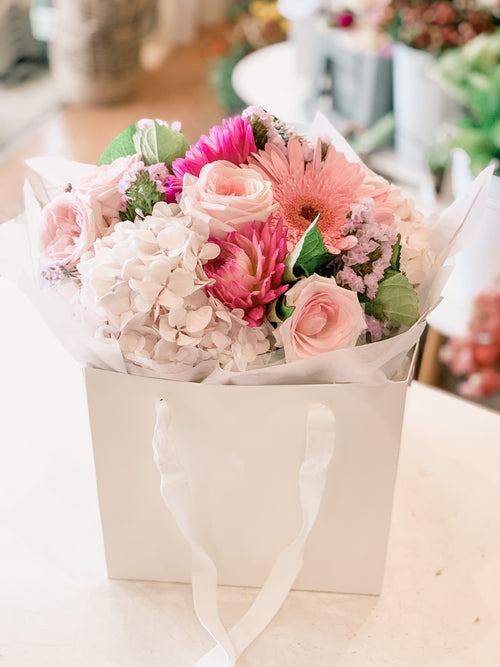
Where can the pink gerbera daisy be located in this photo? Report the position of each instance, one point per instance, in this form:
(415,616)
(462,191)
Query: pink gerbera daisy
(234,141)
(326,188)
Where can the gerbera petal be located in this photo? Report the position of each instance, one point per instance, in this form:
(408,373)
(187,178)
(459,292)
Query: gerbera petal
(295,159)
(271,162)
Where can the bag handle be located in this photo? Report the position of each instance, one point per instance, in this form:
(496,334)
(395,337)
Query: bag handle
(320,435)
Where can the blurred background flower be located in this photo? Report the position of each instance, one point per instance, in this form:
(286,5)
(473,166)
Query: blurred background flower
(435,26)
(475,358)
(254,24)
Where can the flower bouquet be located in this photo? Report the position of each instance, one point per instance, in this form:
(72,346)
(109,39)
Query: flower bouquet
(266,291)
(253,248)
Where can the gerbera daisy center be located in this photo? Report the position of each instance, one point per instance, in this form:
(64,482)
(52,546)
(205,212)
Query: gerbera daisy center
(309,213)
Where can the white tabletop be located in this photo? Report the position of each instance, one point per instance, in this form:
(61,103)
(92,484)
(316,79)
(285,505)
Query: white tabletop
(440,604)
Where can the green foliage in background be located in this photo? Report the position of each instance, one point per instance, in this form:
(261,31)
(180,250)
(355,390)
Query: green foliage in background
(221,78)
(471,74)
(255,24)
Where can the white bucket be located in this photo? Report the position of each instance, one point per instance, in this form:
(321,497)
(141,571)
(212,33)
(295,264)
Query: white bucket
(420,106)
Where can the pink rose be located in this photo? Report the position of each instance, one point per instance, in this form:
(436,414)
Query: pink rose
(102,186)
(227,197)
(326,317)
(67,230)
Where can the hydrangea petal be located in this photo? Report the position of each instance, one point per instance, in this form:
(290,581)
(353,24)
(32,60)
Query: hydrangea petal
(197,320)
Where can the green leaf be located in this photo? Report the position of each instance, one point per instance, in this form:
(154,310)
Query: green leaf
(312,249)
(283,311)
(309,255)
(171,144)
(278,312)
(159,143)
(396,300)
(396,254)
(121,146)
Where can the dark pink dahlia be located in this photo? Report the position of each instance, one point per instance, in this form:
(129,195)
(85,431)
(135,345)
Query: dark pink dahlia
(249,269)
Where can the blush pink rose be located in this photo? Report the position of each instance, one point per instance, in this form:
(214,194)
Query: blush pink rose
(102,186)
(326,317)
(227,197)
(67,230)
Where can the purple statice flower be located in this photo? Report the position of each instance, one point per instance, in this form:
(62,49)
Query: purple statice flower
(53,275)
(129,177)
(233,142)
(347,277)
(267,128)
(363,211)
(142,187)
(364,264)
(158,174)
(56,273)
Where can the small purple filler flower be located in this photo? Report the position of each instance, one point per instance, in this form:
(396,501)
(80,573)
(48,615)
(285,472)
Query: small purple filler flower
(365,263)
(141,188)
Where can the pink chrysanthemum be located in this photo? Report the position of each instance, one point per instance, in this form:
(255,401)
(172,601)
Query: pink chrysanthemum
(326,188)
(233,142)
(249,269)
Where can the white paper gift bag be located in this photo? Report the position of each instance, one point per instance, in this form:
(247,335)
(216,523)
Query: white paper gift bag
(244,451)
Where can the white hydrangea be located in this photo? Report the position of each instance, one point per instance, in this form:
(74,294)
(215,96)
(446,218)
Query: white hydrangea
(145,281)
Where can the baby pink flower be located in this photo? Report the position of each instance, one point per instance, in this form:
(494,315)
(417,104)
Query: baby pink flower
(102,185)
(227,197)
(326,317)
(67,230)
(249,269)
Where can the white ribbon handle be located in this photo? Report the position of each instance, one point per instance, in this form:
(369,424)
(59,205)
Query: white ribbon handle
(176,494)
